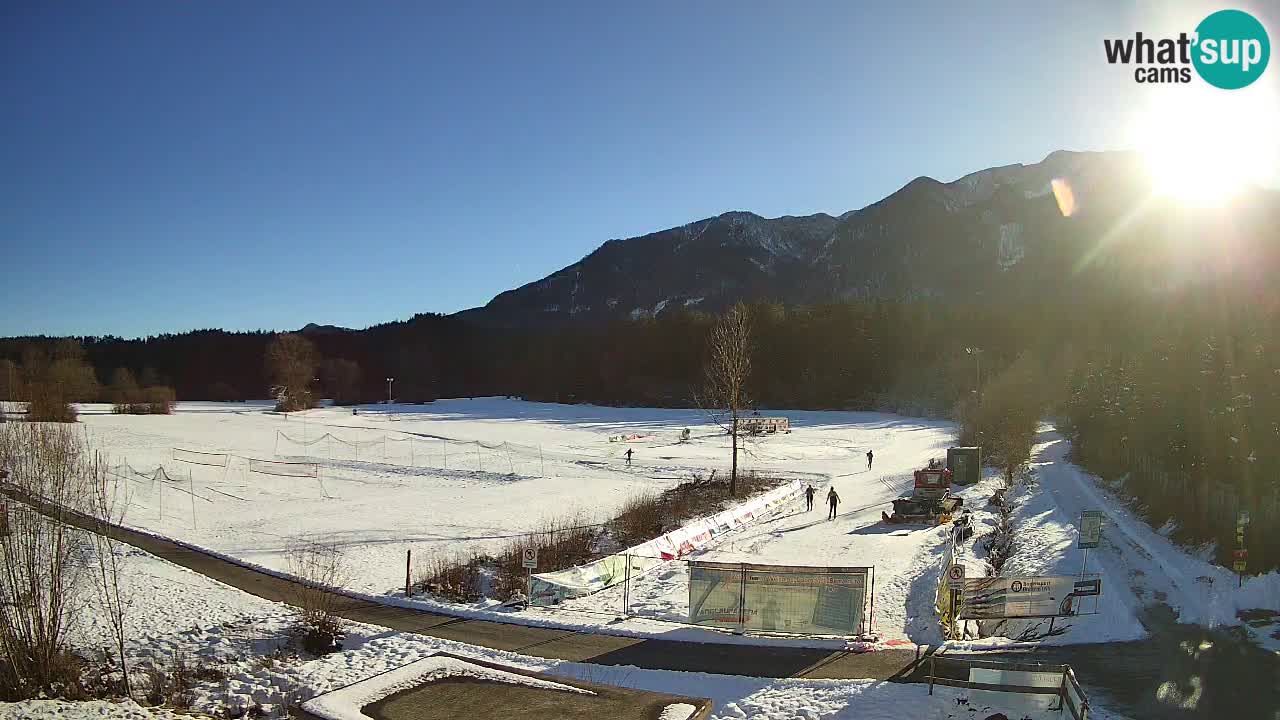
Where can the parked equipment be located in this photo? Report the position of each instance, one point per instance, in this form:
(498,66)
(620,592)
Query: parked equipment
(965,464)
(931,500)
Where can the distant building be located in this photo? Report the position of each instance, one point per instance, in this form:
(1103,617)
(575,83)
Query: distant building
(756,425)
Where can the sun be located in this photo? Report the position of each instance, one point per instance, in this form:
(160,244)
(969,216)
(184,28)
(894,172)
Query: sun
(1203,147)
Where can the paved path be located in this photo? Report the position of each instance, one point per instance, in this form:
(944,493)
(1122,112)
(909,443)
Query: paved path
(1181,671)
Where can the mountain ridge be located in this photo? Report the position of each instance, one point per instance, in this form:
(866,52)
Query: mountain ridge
(869,252)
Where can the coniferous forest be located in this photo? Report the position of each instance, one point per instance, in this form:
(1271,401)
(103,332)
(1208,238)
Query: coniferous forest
(1181,409)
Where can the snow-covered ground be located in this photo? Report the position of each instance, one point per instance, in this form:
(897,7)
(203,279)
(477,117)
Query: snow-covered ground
(172,611)
(1140,565)
(219,617)
(436,498)
(479,471)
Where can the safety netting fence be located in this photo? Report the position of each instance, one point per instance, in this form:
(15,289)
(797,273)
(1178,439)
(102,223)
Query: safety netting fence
(504,458)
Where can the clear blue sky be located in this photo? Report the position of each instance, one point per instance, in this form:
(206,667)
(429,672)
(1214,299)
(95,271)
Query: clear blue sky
(172,165)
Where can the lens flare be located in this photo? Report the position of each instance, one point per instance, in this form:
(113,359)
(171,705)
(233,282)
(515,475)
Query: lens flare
(1064,195)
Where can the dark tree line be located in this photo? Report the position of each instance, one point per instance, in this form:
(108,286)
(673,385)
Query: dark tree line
(1178,397)
(851,355)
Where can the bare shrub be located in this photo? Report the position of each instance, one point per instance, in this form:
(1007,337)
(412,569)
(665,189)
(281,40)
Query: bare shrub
(455,577)
(577,539)
(649,515)
(641,516)
(53,381)
(999,543)
(561,543)
(41,582)
(159,400)
(318,566)
(127,398)
(171,684)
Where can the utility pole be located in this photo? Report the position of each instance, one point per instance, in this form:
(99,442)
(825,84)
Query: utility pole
(389,381)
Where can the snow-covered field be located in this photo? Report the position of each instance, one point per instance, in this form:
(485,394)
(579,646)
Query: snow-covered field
(454,475)
(484,469)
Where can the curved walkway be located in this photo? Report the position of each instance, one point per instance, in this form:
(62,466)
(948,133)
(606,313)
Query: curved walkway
(1181,671)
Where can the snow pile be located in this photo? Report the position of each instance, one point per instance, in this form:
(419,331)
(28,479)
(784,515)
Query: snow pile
(678,711)
(345,703)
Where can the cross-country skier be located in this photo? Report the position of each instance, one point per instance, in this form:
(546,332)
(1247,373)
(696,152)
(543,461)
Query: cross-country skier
(629,451)
(809,492)
(832,499)
(870,456)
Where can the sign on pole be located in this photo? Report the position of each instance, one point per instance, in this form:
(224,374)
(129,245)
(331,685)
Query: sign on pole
(1020,597)
(529,558)
(1085,588)
(955,576)
(1243,518)
(1090,529)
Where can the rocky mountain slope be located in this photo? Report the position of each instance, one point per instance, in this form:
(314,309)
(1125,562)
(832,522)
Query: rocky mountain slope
(1003,227)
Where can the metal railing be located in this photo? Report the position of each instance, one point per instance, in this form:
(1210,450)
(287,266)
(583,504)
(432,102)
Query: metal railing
(1028,678)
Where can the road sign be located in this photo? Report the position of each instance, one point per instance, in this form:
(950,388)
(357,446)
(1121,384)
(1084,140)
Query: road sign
(529,558)
(1088,587)
(1090,529)
(1241,554)
(1243,518)
(955,576)
(1239,566)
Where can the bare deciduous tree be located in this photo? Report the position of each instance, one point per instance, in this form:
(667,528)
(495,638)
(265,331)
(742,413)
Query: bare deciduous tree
(727,369)
(291,363)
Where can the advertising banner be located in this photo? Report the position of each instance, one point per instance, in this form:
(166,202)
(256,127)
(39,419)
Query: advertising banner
(1018,597)
(555,587)
(778,598)
(715,594)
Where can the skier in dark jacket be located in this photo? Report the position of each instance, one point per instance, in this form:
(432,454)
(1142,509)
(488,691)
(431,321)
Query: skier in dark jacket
(833,499)
(629,457)
(870,456)
(809,492)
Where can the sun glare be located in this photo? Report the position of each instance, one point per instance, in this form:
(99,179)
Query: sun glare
(1203,148)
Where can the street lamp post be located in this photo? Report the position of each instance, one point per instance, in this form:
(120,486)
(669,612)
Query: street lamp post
(389,381)
(307,394)
(977,357)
